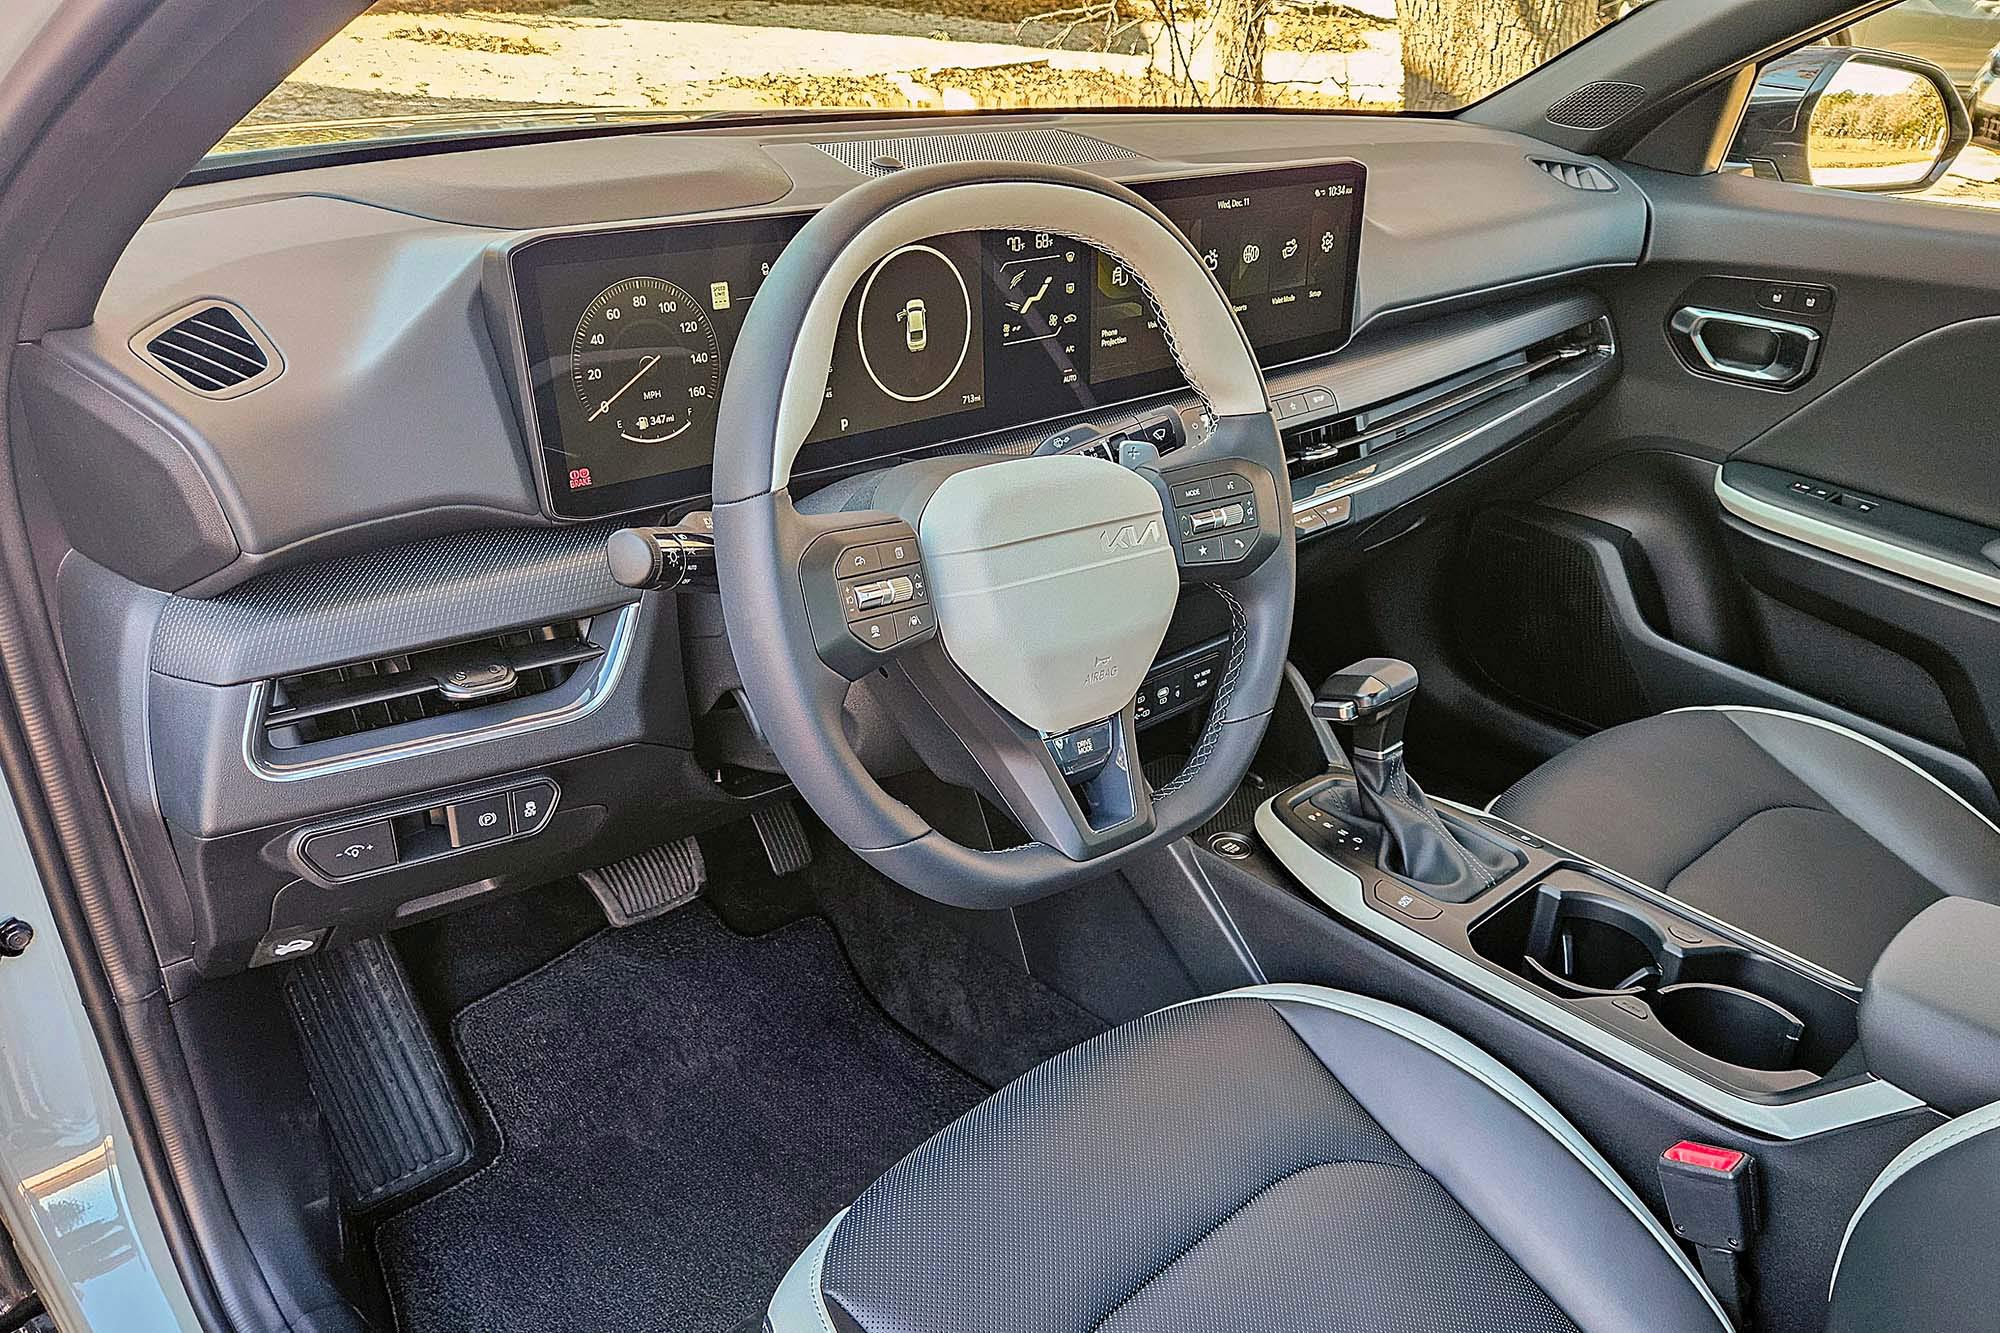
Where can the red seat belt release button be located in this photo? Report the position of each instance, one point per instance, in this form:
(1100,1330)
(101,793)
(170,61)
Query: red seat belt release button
(1712,1204)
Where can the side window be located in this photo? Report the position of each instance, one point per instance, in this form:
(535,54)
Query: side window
(1904,102)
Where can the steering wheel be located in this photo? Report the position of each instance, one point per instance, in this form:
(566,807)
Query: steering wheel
(1011,606)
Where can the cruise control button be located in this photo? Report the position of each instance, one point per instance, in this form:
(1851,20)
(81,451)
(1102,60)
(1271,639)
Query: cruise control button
(480,820)
(897,551)
(353,851)
(858,560)
(879,633)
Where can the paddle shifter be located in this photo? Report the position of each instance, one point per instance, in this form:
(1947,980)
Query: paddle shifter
(1448,857)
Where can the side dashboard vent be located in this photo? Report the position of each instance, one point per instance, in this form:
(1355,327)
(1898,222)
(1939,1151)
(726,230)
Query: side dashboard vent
(408,687)
(1577,175)
(211,347)
(1595,106)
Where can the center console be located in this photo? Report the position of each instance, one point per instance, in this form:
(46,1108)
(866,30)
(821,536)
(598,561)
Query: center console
(1761,1038)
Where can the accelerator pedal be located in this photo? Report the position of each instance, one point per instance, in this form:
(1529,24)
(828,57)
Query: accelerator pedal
(396,1120)
(650,884)
(783,834)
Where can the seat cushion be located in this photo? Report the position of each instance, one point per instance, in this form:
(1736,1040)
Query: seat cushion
(1275,1160)
(1804,834)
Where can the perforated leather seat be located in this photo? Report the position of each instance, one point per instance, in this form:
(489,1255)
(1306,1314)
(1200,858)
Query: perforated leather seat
(1285,1159)
(1805,834)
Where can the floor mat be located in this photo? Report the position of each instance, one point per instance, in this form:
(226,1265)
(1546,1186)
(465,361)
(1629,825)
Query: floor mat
(680,1109)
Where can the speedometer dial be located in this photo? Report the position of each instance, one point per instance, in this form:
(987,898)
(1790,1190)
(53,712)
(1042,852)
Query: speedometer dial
(645,362)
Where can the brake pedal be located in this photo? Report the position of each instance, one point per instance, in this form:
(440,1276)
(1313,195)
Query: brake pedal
(783,834)
(396,1119)
(650,884)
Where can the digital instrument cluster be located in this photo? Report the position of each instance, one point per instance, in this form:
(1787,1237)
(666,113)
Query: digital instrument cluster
(627,333)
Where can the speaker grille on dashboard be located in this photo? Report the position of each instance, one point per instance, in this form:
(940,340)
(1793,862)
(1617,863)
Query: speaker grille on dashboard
(1595,105)
(1050,147)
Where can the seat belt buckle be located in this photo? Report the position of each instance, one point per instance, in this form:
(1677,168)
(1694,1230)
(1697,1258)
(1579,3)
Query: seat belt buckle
(1712,1204)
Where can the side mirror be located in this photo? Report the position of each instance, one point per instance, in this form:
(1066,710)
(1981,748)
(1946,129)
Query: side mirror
(1852,119)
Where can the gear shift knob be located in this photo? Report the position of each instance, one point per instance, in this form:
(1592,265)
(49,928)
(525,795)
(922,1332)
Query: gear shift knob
(1373,697)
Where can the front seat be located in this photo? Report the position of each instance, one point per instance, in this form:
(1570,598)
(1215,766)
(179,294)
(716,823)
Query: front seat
(1807,835)
(1283,1159)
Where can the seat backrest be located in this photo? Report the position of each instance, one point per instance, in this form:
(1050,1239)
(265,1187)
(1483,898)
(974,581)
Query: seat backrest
(1922,1253)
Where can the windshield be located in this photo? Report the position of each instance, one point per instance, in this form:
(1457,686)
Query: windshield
(423,68)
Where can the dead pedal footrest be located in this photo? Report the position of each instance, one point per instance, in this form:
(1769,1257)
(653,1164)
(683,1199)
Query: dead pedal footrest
(650,884)
(396,1120)
(783,834)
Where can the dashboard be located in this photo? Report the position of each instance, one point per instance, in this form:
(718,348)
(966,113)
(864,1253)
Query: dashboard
(336,558)
(626,333)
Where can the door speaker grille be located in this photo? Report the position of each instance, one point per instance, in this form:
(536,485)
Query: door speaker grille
(1595,105)
(1048,147)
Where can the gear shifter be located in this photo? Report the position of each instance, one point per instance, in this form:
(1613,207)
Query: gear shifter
(1446,856)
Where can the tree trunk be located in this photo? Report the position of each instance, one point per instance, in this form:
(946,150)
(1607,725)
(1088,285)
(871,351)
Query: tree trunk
(1457,51)
(1238,43)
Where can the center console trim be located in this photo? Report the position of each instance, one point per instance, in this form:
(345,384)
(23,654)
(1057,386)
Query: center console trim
(1342,892)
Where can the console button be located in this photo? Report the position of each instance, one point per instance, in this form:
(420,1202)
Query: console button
(1336,512)
(1309,520)
(1404,902)
(353,851)
(858,560)
(879,633)
(1317,400)
(532,805)
(1201,677)
(1814,300)
(481,820)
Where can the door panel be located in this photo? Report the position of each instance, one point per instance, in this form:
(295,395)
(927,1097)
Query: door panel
(1672,598)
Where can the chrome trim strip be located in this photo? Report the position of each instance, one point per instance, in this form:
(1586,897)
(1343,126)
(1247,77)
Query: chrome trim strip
(610,668)
(1320,497)
(1840,539)
(1341,892)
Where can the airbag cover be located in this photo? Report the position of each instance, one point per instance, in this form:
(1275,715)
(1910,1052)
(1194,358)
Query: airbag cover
(1054,579)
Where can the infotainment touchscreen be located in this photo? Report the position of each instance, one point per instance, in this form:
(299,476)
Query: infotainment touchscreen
(628,333)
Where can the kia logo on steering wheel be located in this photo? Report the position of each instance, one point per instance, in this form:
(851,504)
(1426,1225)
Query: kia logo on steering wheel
(1131,536)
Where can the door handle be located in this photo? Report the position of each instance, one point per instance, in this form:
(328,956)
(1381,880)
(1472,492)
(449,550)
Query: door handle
(1770,353)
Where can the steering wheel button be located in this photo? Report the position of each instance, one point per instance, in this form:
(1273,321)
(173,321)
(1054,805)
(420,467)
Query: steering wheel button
(875,596)
(901,551)
(913,621)
(859,560)
(1190,492)
(1235,546)
(878,633)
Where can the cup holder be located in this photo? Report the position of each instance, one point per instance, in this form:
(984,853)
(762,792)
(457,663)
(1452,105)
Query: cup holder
(1587,941)
(1731,1025)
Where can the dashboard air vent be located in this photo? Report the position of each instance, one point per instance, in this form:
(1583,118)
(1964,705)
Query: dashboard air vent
(1577,175)
(211,347)
(1051,147)
(408,687)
